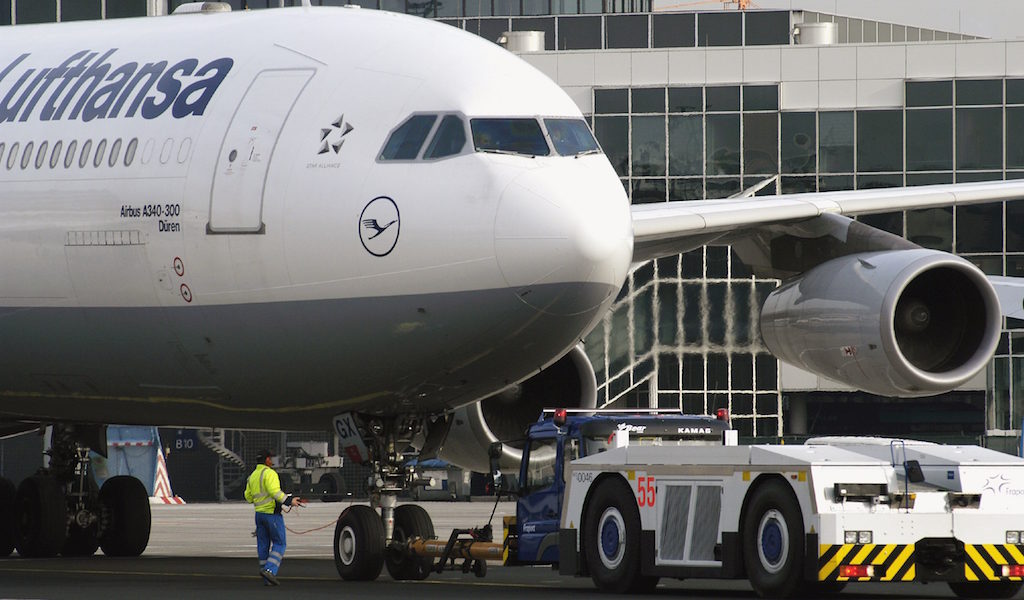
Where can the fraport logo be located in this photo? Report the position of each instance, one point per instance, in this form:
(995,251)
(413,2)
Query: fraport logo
(92,85)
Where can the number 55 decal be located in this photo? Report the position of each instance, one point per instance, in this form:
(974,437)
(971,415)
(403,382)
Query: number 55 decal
(645,491)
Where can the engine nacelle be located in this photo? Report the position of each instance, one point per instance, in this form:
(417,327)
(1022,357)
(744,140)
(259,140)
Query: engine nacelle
(897,323)
(568,383)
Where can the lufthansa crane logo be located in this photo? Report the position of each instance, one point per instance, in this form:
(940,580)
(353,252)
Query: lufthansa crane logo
(379,224)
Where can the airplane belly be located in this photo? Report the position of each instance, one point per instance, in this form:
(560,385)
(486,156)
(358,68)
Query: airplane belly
(297,362)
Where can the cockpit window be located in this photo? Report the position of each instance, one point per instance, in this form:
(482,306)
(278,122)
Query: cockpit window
(509,136)
(449,139)
(406,141)
(571,137)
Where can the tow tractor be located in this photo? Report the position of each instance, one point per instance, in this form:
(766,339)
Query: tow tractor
(629,497)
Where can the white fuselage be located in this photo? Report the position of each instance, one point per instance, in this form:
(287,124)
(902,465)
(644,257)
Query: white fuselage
(206,233)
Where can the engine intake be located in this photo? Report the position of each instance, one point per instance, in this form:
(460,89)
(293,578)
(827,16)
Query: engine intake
(568,383)
(898,323)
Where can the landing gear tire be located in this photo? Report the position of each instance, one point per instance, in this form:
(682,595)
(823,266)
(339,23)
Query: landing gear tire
(985,589)
(359,544)
(80,541)
(126,515)
(331,483)
(411,521)
(7,517)
(772,538)
(611,540)
(41,523)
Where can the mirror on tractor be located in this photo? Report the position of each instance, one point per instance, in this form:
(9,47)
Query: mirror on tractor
(502,485)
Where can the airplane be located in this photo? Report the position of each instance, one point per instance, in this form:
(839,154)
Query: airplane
(335,218)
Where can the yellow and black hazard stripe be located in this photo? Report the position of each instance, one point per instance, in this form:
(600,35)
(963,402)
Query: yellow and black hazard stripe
(891,562)
(985,561)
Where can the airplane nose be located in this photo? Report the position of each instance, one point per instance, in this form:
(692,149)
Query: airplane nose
(564,236)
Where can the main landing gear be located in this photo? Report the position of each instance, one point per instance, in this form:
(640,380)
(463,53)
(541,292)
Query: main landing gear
(60,510)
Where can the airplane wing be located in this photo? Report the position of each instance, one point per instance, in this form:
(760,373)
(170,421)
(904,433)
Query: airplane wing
(668,228)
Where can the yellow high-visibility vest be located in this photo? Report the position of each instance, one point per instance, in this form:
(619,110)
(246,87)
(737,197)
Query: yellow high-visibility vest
(264,489)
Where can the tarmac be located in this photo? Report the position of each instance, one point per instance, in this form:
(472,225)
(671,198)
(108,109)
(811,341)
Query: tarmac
(208,551)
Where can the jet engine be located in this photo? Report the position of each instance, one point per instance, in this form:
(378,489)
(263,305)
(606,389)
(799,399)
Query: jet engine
(896,323)
(568,383)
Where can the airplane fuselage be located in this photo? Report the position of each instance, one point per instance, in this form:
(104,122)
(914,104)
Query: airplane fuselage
(201,222)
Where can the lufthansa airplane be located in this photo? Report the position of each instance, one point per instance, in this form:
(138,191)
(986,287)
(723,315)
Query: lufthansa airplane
(317,218)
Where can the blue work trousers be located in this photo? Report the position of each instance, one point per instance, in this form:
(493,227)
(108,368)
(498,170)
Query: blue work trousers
(270,541)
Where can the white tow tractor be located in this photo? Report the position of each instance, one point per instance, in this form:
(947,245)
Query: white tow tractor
(792,518)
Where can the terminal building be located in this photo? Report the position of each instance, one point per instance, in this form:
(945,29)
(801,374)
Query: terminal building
(704,104)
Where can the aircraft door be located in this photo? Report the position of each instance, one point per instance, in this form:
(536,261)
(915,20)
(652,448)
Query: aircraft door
(236,198)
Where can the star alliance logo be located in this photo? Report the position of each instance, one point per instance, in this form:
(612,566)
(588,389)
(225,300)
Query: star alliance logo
(333,137)
(996,484)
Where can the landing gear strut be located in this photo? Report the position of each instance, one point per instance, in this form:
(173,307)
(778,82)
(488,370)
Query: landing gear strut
(60,510)
(363,541)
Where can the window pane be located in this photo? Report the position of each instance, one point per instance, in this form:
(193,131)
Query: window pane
(546,25)
(760,143)
(835,183)
(535,7)
(79,10)
(36,11)
(579,33)
(518,136)
(673,31)
(767,28)
(798,142)
(879,140)
(613,135)
(979,138)
(979,228)
(1014,137)
(489,29)
(722,187)
(929,178)
(126,8)
(1015,227)
(5,13)
(685,99)
(686,145)
(449,139)
(720,29)
(690,188)
(929,93)
(722,98)
(648,190)
(931,228)
(723,145)
(445,8)
(570,136)
(648,146)
(760,97)
(649,100)
(929,140)
(1015,91)
(626,31)
(406,141)
(891,222)
(503,7)
(611,101)
(798,185)
(979,91)
(876,181)
(836,150)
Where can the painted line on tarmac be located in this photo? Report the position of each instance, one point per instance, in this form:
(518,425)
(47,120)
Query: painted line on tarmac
(283,579)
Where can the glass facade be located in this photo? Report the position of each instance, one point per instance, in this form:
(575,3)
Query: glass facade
(49,11)
(666,341)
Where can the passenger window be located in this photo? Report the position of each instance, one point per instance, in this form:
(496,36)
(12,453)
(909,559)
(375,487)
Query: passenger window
(406,141)
(449,139)
(509,136)
(571,137)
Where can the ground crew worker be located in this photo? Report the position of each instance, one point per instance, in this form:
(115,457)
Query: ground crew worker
(263,490)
